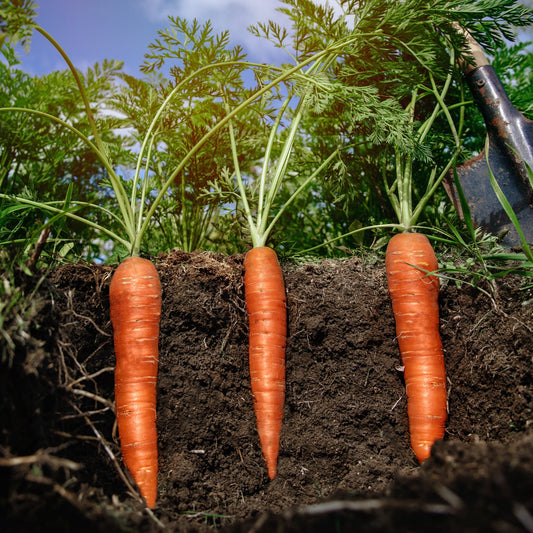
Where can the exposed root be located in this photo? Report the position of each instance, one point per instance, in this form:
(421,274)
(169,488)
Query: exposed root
(41,457)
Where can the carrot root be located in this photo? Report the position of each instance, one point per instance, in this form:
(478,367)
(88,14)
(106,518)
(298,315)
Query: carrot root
(135,308)
(414,295)
(267,317)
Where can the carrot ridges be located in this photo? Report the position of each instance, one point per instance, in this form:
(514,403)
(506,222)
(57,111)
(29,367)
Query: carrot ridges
(267,317)
(414,295)
(135,309)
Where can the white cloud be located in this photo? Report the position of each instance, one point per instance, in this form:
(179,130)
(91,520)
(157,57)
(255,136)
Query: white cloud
(232,15)
(235,13)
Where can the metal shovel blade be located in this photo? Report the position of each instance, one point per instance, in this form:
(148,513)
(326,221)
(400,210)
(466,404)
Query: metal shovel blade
(510,147)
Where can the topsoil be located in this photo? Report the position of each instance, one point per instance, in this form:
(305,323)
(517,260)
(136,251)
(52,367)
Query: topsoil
(345,462)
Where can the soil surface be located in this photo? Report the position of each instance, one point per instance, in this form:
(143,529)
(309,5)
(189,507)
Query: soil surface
(345,462)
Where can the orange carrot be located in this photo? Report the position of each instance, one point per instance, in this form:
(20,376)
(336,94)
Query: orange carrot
(414,296)
(267,316)
(135,301)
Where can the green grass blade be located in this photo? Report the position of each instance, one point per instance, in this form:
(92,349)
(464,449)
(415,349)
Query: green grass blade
(507,206)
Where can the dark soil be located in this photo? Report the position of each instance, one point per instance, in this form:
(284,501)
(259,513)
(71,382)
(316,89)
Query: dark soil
(345,462)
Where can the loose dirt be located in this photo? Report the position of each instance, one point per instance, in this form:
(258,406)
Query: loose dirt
(345,462)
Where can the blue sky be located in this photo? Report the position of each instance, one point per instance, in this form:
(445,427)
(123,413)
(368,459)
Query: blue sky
(93,30)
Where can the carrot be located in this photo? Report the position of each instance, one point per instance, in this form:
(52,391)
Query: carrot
(135,302)
(414,296)
(264,290)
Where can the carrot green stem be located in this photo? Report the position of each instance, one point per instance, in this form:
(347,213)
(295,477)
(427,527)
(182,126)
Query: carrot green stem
(401,191)
(259,227)
(80,85)
(52,209)
(297,192)
(115,181)
(240,184)
(353,232)
(279,173)
(268,152)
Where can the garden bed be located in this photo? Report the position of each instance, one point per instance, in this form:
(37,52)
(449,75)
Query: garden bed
(345,458)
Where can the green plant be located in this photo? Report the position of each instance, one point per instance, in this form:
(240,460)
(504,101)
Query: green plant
(479,257)
(188,212)
(41,161)
(366,105)
(136,204)
(16,22)
(526,247)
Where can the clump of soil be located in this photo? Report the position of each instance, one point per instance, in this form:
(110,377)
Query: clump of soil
(345,458)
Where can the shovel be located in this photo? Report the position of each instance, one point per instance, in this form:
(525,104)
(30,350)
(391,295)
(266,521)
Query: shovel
(510,146)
